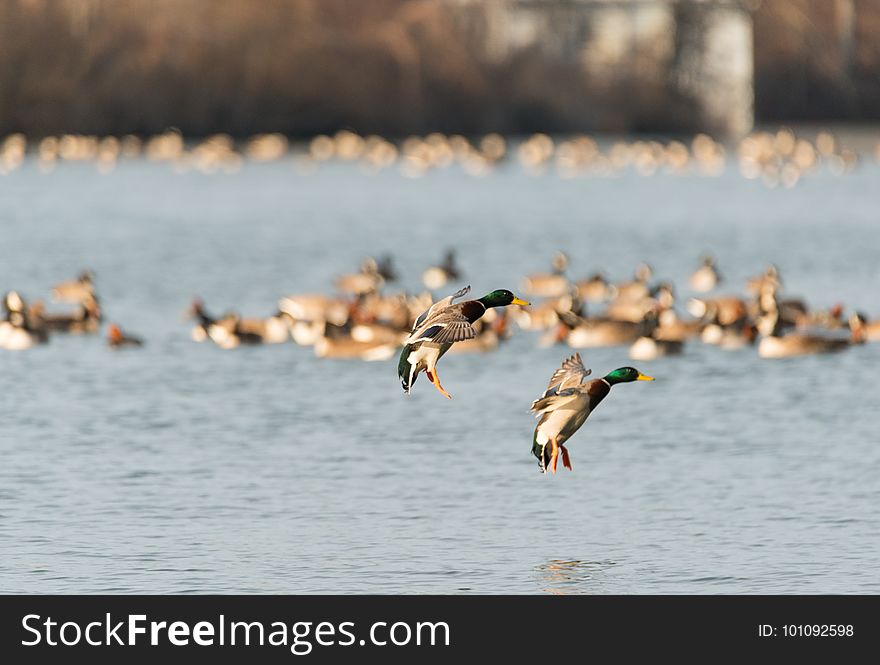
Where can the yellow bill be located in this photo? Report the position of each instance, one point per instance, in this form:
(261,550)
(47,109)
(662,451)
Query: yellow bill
(519,301)
(644,377)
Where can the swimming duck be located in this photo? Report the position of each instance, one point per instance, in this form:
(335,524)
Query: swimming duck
(378,333)
(438,328)
(86,319)
(790,310)
(672,328)
(16,331)
(274,329)
(437,276)
(566,405)
(663,296)
(386,310)
(636,309)
(545,315)
(35,321)
(776,344)
(368,280)
(548,285)
(862,329)
(651,347)
(730,337)
(581,333)
(638,288)
(347,347)
(116,339)
(831,318)
(204,320)
(724,310)
(76,290)
(658,341)
(229,332)
(15,335)
(769,278)
(632,311)
(385,268)
(307,333)
(311,307)
(706,277)
(595,289)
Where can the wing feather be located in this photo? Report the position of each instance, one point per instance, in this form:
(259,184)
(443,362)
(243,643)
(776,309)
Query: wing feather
(565,386)
(439,324)
(571,373)
(455,331)
(437,307)
(446,329)
(556,400)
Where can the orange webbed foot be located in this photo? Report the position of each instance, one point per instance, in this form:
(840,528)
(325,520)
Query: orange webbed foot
(554,456)
(434,378)
(566,461)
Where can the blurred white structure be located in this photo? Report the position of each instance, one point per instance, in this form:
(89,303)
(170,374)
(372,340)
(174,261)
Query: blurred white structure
(699,51)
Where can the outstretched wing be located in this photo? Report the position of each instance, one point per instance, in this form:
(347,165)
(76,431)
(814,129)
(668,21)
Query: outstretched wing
(460,293)
(570,374)
(445,328)
(438,306)
(553,400)
(564,386)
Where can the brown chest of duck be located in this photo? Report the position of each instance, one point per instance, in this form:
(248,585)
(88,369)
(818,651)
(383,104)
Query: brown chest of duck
(441,326)
(473,310)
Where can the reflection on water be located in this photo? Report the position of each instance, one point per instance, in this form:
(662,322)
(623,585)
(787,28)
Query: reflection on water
(561,578)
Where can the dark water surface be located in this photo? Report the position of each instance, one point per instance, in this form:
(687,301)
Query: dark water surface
(184,468)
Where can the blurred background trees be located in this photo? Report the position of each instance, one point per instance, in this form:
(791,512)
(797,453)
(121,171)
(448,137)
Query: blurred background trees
(396,67)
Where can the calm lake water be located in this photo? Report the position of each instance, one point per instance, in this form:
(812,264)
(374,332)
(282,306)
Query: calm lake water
(184,468)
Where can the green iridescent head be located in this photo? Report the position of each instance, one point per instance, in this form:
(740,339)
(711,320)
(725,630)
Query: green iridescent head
(501,298)
(626,375)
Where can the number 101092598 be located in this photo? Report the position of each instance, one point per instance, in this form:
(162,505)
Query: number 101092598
(806,630)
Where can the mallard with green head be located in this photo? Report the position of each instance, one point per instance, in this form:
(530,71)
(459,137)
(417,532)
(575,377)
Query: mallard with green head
(566,405)
(437,329)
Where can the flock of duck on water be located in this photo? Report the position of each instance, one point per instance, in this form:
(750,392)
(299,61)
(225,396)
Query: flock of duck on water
(777,158)
(365,321)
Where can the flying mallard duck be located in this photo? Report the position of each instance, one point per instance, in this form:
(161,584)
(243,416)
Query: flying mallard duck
(566,405)
(437,329)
